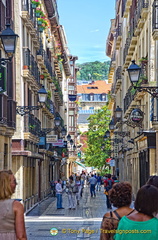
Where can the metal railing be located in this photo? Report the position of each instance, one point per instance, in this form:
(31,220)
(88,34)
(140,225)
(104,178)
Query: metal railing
(32,124)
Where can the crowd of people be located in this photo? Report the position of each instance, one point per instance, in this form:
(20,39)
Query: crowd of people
(123,223)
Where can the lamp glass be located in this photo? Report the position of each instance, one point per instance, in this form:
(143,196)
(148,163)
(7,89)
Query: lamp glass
(42,95)
(107,133)
(134,72)
(71,142)
(9,40)
(68,137)
(111,125)
(118,112)
(63,132)
(57,121)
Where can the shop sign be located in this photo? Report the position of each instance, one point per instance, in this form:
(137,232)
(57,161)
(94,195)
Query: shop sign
(137,115)
(52,138)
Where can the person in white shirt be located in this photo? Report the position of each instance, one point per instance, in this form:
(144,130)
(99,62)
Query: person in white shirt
(59,191)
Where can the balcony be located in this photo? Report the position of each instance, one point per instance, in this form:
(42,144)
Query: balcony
(49,108)
(127,8)
(129,97)
(118,36)
(140,15)
(28,16)
(45,63)
(30,69)
(118,78)
(32,127)
(7,112)
(126,57)
(155,21)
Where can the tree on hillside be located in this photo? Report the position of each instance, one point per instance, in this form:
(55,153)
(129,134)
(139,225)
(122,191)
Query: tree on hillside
(93,71)
(98,124)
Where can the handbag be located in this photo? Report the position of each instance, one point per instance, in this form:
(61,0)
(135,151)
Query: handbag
(75,189)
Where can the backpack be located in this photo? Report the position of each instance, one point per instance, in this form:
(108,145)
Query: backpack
(109,186)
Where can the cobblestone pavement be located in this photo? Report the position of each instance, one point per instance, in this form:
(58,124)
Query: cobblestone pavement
(79,224)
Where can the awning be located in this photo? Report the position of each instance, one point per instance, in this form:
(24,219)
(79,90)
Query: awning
(80,164)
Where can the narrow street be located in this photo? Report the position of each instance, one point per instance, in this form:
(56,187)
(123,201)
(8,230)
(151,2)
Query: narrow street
(82,223)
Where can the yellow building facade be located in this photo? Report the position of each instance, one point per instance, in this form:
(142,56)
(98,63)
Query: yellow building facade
(133,36)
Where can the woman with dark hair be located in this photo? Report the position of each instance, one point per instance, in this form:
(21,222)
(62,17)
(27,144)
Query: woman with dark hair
(120,196)
(141,224)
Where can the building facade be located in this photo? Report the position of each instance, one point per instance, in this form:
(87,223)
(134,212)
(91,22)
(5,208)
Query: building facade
(133,36)
(34,145)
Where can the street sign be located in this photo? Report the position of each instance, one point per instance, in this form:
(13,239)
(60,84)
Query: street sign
(2,79)
(52,138)
(112,163)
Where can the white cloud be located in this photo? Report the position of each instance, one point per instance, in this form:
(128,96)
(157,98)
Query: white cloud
(96,30)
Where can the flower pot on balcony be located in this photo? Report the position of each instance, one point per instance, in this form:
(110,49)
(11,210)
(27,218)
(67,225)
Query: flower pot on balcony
(33,6)
(41,29)
(72,97)
(37,14)
(42,76)
(25,67)
(39,22)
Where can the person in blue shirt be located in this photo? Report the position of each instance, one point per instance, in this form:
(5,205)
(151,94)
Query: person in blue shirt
(92,182)
(98,187)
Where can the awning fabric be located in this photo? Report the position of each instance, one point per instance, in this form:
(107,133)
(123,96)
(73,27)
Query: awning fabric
(80,164)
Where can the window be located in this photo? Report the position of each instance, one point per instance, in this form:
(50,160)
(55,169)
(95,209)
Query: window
(103,97)
(91,97)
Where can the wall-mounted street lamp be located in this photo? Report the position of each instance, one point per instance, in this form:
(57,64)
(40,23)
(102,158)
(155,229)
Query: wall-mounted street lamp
(118,113)
(112,124)
(9,41)
(63,131)
(68,137)
(23,110)
(71,142)
(134,74)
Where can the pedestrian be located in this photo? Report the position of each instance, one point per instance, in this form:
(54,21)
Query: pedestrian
(120,196)
(53,191)
(153,180)
(107,186)
(12,225)
(59,191)
(98,187)
(83,177)
(92,182)
(141,224)
(71,190)
(79,184)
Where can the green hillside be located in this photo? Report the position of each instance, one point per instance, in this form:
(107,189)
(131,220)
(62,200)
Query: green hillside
(93,70)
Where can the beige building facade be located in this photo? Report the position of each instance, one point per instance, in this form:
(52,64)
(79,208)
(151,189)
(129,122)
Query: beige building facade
(32,145)
(133,36)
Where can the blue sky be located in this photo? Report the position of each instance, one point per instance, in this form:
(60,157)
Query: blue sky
(86,24)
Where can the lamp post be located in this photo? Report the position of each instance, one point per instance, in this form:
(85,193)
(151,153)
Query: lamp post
(134,74)
(23,110)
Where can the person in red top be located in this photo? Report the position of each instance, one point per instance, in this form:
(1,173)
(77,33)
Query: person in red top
(107,186)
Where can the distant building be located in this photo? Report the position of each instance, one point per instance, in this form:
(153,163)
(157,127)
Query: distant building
(91,96)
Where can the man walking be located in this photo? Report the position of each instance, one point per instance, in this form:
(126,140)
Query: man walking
(59,191)
(98,188)
(92,182)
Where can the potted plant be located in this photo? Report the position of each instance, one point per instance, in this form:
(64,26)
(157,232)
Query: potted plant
(35,3)
(38,12)
(42,76)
